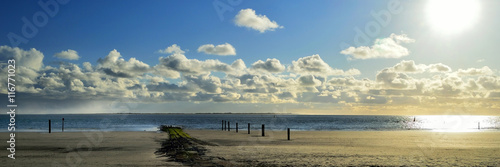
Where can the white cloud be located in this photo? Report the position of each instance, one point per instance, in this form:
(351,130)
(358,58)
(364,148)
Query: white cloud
(316,66)
(225,97)
(391,79)
(475,71)
(489,82)
(87,66)
(165,72)
(270,65)
(207,83)
(171,49)
(115,65)
(382,48)
(439,67)
(238,64)
(179,63)
(309,80)
(248,18)
(31,58)
(409,66)
(69,54)
(221,50)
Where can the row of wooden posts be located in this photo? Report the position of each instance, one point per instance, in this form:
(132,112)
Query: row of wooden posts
(226,125)
(50,126)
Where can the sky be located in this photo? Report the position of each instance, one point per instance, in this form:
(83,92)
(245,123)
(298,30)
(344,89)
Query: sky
(301,57)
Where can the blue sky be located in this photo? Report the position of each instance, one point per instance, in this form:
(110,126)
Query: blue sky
(139,29)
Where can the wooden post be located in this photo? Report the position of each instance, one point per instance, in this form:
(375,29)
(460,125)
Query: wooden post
(478,125)
(236,127)
(248,128)
(63,125)
(225,125)
(288,131)
(49,126)
(222,125)
(228,126)
(263,134)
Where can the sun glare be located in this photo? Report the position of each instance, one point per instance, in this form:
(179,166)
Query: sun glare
(452,16)
(455,123)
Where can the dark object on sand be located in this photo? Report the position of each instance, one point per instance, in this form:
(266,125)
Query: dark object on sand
(288,131)
(263,134)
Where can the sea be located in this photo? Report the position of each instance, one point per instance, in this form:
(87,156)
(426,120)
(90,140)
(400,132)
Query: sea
(151,122)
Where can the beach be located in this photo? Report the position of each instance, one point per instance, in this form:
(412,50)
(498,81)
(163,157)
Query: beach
(86,149)
(306,148)
(354,148)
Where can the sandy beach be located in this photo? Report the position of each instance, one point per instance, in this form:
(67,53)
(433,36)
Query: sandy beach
(306,148)
(86,149)
(358,148)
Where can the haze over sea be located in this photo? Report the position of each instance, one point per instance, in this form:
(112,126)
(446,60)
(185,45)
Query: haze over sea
(150,122)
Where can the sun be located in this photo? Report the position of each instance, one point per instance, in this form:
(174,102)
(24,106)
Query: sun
(452,16)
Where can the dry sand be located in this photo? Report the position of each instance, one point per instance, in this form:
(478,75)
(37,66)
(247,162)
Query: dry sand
(86,149)
(307,148)
(358,148)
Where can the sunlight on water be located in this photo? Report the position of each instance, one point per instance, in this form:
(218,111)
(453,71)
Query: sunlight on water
(455,123)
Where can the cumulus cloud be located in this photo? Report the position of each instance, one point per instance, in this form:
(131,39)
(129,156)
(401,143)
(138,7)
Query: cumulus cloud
(475,71)
(316,66)
(179,63)
(309,80)
(248,18)
(68,54)
(172,49)
(270,65)
(389,47)
(238,64)
(407,83)
(391,79)
(207,83)
(489,82)
(351,83)
(113,64)
(409,66)
(439,67)
(221,50)
(226,97)
(31,58)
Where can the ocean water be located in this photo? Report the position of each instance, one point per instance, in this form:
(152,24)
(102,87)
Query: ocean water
(150,122)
